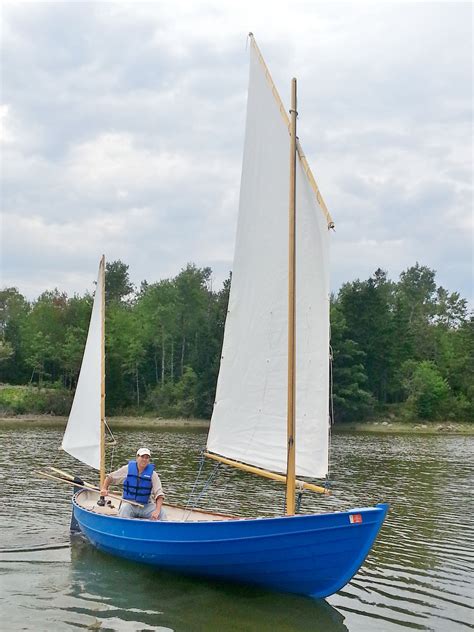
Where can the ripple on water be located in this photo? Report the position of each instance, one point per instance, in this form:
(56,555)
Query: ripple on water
(418,575)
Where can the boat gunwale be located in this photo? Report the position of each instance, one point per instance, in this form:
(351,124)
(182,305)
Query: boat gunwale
(231,520)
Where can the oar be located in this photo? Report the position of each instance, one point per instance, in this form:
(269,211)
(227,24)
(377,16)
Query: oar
(100,502)
(68,476)
(89,487)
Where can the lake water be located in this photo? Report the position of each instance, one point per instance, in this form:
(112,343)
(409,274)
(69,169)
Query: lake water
(418,576)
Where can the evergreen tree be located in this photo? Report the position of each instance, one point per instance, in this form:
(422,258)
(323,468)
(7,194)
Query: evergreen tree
(366,308)
(352,400)
(117,282)
(14,309)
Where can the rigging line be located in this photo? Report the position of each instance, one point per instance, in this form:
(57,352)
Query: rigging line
(201,465)
(108,428)
(204,489)
(113,443)
(112,456)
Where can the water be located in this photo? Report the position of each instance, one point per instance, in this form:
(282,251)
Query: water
(418,575)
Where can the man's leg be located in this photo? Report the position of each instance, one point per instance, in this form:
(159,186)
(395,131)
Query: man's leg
(148,509)
(127,511)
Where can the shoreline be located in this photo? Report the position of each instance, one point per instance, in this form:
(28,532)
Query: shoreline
(382,427)
(113,422)
(407,427)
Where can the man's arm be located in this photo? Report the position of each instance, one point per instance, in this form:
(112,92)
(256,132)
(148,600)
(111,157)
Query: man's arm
(105,487)
(159,502)
(157,491)
(114,478)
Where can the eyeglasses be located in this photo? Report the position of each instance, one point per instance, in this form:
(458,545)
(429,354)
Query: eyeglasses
(143,456)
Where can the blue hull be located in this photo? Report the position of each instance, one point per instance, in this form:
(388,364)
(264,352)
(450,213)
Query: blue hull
(312,555)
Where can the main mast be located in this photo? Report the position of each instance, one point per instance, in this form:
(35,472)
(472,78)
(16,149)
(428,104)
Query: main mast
(290,465)
(102,374)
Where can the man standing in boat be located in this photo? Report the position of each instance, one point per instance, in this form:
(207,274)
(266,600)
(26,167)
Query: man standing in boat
(141,484)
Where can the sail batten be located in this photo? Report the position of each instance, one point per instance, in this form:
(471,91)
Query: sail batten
(249,417)
(82,437)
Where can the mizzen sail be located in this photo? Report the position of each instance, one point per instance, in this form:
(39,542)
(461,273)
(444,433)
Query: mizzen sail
(82,438)
(249,418)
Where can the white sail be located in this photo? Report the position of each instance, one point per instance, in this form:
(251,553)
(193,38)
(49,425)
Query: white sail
(249,418)
(82,436)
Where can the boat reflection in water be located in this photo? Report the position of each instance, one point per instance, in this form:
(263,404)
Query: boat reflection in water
(123,595)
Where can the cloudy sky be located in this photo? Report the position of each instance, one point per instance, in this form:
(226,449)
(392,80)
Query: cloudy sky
(122,133)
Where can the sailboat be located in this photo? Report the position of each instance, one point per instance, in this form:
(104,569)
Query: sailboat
(271,413)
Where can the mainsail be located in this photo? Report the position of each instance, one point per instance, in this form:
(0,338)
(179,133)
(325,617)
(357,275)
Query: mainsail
(249,418)
(82,438)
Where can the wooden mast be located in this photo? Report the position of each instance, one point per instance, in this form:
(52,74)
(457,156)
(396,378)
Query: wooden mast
(102,375)
(290,466)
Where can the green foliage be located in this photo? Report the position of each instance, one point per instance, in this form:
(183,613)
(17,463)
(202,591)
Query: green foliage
(352,400)
(13,311)
(366,308)
(178,399)
(72,352)
(117,282)
(428,393)
(6,350)
(405,346)
(31,399)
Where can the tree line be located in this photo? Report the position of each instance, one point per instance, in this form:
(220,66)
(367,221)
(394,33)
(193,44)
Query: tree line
(405,346)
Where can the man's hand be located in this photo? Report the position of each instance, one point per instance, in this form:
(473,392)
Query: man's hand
(105,487)
(156,514)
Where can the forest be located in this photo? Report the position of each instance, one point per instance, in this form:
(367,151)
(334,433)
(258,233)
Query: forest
(404,348)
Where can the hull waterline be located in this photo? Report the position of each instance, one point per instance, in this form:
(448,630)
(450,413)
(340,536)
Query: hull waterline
(312,555)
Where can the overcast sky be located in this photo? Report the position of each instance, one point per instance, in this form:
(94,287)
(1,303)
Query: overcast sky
(122,133)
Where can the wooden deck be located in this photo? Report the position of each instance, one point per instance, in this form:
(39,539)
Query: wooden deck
(175,513)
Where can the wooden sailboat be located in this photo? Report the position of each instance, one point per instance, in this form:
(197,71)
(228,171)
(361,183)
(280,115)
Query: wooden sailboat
(271,414)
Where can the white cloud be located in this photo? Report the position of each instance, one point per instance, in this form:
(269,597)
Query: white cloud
(122,130)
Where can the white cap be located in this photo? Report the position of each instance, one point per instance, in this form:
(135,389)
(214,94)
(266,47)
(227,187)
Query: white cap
(143,451)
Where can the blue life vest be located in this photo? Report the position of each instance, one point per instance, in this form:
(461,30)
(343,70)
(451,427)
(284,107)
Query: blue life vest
(138,486)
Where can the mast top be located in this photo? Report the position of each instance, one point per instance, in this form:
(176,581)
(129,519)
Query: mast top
(299,150)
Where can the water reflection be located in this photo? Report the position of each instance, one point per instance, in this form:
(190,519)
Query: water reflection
(161,600)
